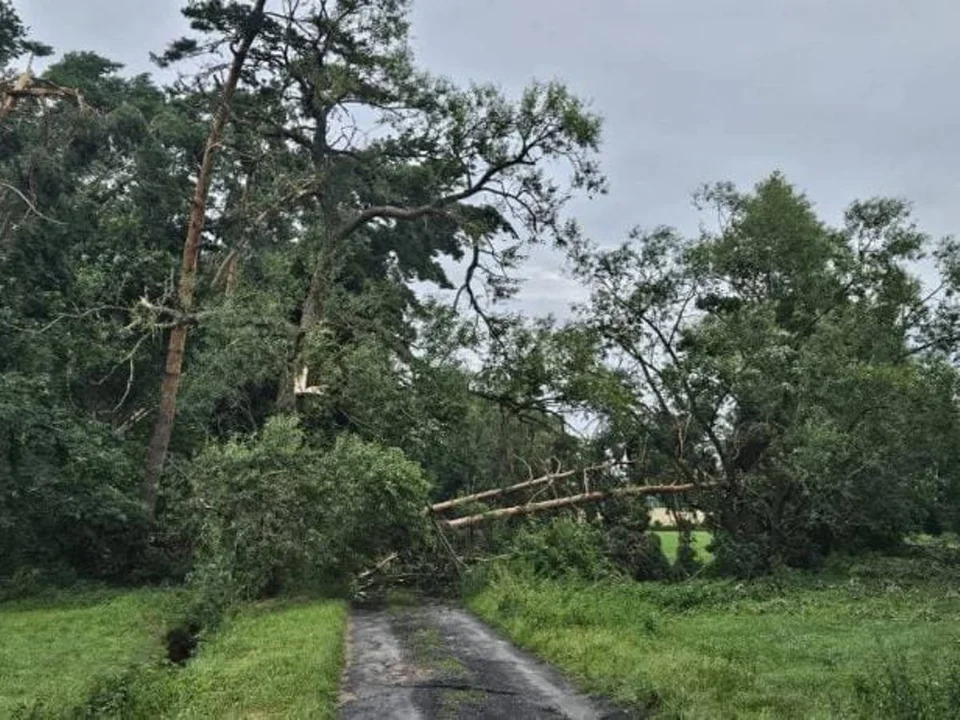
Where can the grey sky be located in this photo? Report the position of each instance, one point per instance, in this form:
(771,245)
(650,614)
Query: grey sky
(850,98)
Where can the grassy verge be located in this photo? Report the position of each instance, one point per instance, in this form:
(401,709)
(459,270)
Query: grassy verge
(273,660)
(670,541)
(868,644)
(54,652)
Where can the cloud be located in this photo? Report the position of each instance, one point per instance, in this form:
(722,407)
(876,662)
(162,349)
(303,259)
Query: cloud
(850,98)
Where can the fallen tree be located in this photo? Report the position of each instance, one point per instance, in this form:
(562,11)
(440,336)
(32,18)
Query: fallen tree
(570,500)
(547,479)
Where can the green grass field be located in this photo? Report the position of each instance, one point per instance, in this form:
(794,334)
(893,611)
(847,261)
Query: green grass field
(54,652)
(670,540)
(102,654)
(853,646)
(274,660)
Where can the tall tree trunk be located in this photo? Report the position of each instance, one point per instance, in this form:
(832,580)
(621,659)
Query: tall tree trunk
(162,430)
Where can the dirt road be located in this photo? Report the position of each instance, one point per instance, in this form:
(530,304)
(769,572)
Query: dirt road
(439,662)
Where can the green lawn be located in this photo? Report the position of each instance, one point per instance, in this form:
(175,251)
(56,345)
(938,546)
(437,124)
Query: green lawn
(722,649)
(670,539)
(274,660)
(57,651)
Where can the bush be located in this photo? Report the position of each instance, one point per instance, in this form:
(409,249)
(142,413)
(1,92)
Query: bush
(686,564)
(743,557)
(559,548)
(626,542)
(276,512)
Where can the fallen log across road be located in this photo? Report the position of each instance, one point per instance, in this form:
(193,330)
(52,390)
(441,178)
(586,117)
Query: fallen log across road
(587,497)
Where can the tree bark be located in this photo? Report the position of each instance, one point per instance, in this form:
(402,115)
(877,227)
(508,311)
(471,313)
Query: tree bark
(169,389)
(596,496)
(497,492)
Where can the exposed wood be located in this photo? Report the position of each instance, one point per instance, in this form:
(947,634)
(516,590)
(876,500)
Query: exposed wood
(571,500)
(163,428)
(378,567)
(542,480)
(27,86)
(300,386)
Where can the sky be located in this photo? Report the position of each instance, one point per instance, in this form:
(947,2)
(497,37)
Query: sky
(849,98)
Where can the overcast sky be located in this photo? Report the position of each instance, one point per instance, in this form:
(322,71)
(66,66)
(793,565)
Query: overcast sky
(850,98)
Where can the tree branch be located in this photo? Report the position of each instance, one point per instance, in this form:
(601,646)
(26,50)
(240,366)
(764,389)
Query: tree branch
(568,501)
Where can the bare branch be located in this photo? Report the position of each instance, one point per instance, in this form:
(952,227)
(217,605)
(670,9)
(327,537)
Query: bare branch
(30,205)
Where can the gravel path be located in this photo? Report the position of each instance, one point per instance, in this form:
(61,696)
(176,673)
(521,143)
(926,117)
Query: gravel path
(441,662)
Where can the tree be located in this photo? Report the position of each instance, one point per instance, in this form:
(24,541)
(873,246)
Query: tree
(251,22)
(382,168)
(778,356)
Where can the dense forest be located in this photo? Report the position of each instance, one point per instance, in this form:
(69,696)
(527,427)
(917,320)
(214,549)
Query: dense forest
(252,327)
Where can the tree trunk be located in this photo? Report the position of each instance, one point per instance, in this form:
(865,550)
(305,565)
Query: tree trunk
(588,497)
(295,381)
(542,480)
(163,429)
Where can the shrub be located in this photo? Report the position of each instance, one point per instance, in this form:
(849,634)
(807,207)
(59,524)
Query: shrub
(626,542)
(561,547)
(276,512)
(686,563)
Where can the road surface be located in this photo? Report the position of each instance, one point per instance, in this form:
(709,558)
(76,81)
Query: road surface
(439,662)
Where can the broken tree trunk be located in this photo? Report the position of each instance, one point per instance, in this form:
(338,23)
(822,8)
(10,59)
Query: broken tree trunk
(587,497)
(26,85)
(169,389)
(497,492)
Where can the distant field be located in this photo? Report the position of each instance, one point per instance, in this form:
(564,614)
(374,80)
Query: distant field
(868,645)
(54,653)
(670,540)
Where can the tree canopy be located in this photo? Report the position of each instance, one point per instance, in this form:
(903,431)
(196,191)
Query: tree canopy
(801,378)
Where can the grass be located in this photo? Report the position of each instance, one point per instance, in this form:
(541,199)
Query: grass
(273,660)
(800,647)
(101,654)
(54,652)
(670,541)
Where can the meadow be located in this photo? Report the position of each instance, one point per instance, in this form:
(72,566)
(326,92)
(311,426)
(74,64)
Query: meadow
(869,639)
(103,654)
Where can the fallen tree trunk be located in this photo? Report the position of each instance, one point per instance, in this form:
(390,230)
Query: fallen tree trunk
(497,492)
(588,497)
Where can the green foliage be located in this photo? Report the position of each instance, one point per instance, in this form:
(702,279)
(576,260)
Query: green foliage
(796,646)
(778,358)
(670,541)
(12,33)
(898,691)
(626,542)
(278,512)
(687,562)
(273,659)
(559,548)
(68,496)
